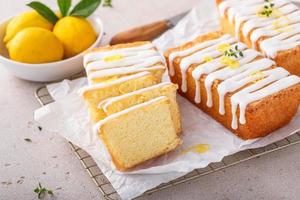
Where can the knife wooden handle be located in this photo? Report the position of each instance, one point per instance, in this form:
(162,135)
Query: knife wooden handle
(142,33)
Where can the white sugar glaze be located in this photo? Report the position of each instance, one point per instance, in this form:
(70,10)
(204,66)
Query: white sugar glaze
(283,41)
(279,80)
(145,58)
(239,80)
(227,72)
(276,30)
(208,50)
(98,55)
(191,50)
(256,22)
(207,68)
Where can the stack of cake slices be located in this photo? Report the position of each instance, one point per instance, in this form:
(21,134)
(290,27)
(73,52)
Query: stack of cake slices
(135,114)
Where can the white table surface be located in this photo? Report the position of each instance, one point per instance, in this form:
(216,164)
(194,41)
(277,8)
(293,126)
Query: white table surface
(48,158)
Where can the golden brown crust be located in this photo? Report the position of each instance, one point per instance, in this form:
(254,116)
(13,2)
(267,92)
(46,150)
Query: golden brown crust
(218,2)
(290,60)
(263,116)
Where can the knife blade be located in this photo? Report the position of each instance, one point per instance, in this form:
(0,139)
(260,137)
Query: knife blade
(147,32)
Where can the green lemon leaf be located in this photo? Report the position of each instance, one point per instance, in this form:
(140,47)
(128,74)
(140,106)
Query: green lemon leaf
(44,11)
(85,8)
(64,6)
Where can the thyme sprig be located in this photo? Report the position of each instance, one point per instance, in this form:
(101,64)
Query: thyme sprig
(41,191)
(267,9)
(236,52)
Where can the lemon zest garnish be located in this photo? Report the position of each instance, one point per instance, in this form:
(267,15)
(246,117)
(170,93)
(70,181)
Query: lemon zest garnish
(113,58)
(207,59)
(259,75)
(199,148)
(233,64)
(277,13)
(282,24)
(223,47)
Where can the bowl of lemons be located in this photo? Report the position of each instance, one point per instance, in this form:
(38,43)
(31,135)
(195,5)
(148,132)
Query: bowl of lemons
(42,45)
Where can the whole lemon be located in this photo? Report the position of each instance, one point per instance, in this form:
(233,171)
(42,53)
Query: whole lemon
(75,33)
(25,20)
(35,45)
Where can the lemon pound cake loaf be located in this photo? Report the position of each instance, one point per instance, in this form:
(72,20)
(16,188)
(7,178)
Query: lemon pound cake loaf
(139,133)
(269,26)
(111,62)
(237,86)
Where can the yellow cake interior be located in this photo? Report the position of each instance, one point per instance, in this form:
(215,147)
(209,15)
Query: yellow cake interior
(140,134)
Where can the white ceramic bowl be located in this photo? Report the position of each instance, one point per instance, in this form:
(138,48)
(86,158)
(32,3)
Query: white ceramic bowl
(49,71)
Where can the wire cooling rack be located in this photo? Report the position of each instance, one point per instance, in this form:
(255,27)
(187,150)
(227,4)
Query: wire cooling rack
(109,192)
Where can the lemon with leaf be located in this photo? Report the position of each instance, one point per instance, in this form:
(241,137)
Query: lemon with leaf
(76,34)
(30,39)
(35,45)
(72,29)
(25,20)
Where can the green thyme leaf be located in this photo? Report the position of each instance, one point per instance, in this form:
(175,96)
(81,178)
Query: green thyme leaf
(42,191)
(85,8)
(36,190)
(64,6)
(267,9)
(107,3)
(44,11)
(234,52)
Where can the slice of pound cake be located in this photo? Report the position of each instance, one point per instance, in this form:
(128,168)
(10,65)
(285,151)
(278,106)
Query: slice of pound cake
(139,133)
(94,94)
(237,86)
(136,116)
(119,103)
(269,26)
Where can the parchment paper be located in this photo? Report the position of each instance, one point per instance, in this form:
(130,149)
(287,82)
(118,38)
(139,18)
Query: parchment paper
(68,117)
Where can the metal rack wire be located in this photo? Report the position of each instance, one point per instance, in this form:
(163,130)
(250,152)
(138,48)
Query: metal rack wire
(109,192)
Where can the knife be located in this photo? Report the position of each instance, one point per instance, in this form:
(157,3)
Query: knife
(146,32)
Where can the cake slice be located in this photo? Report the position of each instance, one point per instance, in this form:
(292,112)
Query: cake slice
(116,104)
(244,91)
(271,27)
(139,133)
(94,94)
